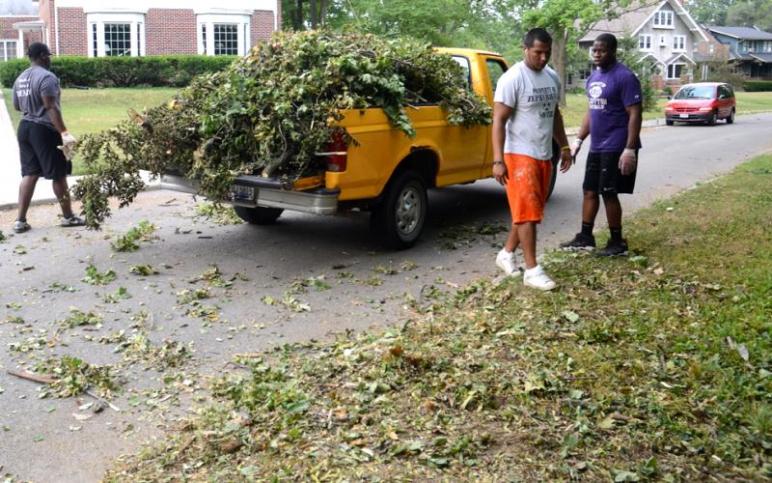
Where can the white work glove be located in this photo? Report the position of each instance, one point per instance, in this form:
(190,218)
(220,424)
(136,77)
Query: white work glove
(575,147)
(68,146)
(628,161)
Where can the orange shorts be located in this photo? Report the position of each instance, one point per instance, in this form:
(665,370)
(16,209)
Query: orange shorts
(527,186)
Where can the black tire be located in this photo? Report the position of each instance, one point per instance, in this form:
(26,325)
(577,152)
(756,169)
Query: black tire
(259,215)
(399,218)
(730,119)
(555,166)
(712,119)
(669,122)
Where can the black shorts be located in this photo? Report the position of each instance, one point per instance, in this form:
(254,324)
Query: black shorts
(39,151)
(602,174)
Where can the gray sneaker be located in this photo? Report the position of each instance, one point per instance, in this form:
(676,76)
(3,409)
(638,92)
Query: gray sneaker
(579,242)
(20,226)
(613,249)
(72,221)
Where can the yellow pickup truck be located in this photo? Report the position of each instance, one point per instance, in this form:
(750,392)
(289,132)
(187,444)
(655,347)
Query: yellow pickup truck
(386,171)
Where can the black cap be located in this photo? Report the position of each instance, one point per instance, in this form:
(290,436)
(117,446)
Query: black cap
(37,50)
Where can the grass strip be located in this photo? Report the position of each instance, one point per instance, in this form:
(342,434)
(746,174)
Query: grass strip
(655,366)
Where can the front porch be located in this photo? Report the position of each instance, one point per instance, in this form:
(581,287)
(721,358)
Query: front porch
(29,32)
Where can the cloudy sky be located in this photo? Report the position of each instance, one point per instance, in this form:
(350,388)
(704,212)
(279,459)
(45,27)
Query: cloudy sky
(18,7)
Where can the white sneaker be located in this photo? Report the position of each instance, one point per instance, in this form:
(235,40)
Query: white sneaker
(72,221)
(536,278)
(506,261)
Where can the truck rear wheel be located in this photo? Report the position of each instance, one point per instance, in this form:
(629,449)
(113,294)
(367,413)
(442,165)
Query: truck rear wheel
(399,219)
(555,163)
(259,215)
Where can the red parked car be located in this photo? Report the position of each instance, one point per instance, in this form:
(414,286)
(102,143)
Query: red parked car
(704,102)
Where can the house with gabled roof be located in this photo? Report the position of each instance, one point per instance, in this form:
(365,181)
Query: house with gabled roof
(664,32)
(750,49)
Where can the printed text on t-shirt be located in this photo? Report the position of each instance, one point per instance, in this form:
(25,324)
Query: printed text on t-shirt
(596,91)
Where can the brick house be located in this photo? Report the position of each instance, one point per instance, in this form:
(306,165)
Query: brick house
(11,13)
(143,27)
(665,33)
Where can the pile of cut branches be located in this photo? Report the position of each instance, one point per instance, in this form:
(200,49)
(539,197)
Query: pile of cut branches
(269,112)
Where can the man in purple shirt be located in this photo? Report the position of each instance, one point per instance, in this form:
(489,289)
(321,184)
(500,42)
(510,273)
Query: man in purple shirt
(613,122)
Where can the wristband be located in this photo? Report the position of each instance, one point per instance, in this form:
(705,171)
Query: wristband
(498,162)
(578,142)
(629,151)
(566,148)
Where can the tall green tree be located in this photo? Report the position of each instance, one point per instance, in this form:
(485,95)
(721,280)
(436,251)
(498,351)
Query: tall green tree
(487,24)
(304,14)
(750,13)
(567,21)
(709,12)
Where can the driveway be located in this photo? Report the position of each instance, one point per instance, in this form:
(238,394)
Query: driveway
(304,278)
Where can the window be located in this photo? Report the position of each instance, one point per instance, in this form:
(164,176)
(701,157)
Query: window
(724,92)
(663,19)
(464,63)
(140,43)
(94,41)
(495,70)
(223,34)
(679,42)
(117,39)
(696,92)
(644,42)
(674,71)
(7,50)
(584,73)
(767,46)
(115,34)
(226,39)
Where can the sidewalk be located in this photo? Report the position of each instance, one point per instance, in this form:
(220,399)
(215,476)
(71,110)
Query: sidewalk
(10,168)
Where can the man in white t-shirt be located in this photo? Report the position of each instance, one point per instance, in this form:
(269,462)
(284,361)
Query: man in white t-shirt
(526,119)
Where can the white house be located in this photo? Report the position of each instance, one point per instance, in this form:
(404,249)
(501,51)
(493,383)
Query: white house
(97,28)
(664,32)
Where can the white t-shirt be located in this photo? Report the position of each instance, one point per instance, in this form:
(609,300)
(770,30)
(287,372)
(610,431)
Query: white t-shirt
(534,97)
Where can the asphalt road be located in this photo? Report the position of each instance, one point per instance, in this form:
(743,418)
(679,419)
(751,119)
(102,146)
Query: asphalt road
(351,284)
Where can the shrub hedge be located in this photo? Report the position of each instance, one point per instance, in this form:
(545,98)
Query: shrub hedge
(758,86)
(161,70)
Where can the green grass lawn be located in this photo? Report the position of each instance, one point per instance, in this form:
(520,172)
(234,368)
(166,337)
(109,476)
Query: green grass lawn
(653,367)
(92,110)
(747,103)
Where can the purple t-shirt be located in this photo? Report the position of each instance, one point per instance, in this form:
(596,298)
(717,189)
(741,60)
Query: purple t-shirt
(610,92)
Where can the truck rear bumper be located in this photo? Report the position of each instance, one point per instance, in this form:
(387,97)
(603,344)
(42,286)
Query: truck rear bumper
(252,191)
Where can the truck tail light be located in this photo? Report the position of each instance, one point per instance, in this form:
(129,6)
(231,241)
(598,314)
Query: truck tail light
(336,153)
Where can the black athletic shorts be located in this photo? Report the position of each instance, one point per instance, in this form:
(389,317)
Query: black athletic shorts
(602,174)
(39,152)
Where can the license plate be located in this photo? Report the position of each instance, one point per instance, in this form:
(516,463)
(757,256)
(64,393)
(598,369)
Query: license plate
(243,193)
(684,116)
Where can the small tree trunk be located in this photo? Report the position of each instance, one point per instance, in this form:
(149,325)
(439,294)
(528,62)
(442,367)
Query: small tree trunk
(324,4)
(559,61)
(314,14)
(299,15)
